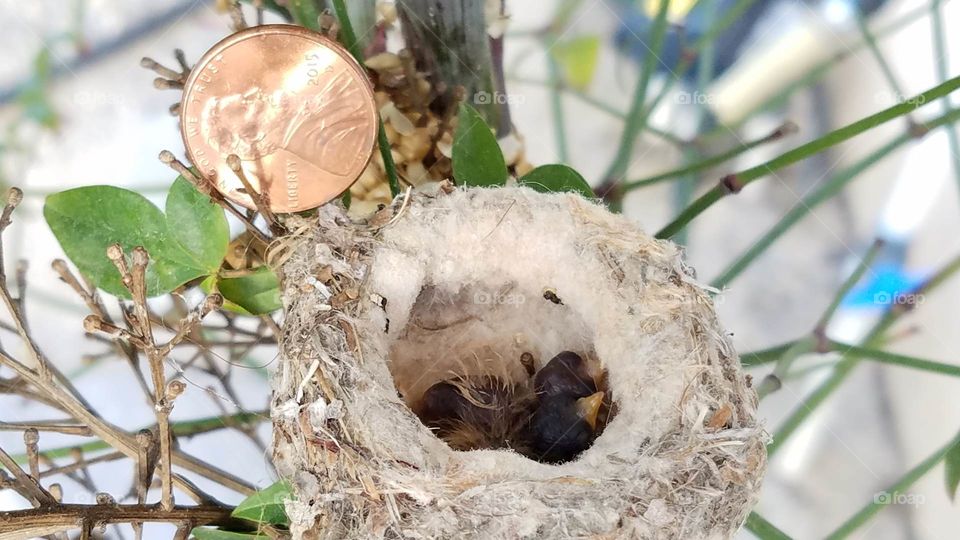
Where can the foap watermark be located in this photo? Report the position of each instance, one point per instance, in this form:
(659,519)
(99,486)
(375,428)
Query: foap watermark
(885,298)
(498,98)
(888,498)
(889,99)
(498,298)
(93,98)
(696,98)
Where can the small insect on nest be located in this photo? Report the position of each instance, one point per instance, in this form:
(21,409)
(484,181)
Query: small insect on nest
(502,363)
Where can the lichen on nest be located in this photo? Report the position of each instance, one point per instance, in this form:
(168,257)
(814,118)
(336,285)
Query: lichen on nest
(682,457)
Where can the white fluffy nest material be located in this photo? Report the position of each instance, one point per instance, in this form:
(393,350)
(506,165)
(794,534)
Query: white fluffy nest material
(455,284)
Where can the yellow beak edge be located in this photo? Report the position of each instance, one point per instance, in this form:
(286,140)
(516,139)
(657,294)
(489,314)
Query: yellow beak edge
(589,407)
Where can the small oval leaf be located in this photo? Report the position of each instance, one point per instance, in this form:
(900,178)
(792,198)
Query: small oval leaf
(266,505)
(477,158)
(89,219)
(197,224)
(257,290)
(556,179)
(578,59)
(201,533)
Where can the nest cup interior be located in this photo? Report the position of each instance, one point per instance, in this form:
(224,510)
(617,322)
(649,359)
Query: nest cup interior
(473,331)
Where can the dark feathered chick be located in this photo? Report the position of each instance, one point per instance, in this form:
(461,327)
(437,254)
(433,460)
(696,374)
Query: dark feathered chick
(473,413)
(564,422)
(551,420)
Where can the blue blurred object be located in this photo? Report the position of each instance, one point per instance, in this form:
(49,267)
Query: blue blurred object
(631,36)
(886,282)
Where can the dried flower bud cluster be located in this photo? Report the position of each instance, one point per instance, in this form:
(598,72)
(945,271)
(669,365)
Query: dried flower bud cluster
(419,119)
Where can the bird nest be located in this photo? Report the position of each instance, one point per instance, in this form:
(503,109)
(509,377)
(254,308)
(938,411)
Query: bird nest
(461,284)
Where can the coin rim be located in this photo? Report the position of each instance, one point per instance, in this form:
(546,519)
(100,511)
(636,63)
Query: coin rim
(284,29)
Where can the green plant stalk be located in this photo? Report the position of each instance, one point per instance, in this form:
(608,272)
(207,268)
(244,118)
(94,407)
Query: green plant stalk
(940,51)
(871,41)
(388,165)
(801,347)
(686,185)
(686,62)
(847,363)
(349,38)
(894,359)
(603,107)
(772,382)
(556,105)
(187,428)
(637,117)
(763,529)
(907,480)
(706,163)
(768,356)
(849,284)
(736,182)
(764,356)
(823,193)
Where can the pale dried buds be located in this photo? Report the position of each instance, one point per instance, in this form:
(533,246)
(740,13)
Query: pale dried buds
(14,197)
(174,389)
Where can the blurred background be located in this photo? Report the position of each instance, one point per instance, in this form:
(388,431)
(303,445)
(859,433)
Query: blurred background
(77,109)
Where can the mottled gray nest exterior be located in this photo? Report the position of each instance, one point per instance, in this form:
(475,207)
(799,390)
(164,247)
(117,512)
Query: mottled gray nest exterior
(454,284)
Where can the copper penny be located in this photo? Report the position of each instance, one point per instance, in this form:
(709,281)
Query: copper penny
(292,104)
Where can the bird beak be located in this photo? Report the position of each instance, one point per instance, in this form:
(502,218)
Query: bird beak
(588,408)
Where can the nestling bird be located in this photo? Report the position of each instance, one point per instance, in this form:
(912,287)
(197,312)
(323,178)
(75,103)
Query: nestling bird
(551,420)
(568,402)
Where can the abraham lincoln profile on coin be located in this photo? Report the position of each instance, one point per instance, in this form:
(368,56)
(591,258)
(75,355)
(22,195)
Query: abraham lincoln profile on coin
(255,124)
(294,107)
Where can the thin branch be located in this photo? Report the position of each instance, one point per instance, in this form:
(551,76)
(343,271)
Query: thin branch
(733,183)
(43,521)
(848,363)
(884,498)
(787,128)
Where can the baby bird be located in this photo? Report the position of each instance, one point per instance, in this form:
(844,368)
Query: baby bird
(551,421)
(473,413)
(564,422)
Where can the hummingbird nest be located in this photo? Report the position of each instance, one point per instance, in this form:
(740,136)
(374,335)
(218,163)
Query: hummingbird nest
(463,282)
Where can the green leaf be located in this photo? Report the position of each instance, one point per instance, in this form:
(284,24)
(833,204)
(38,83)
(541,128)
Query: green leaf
(477,158)
(952,470)
(201,533)
(305,13)
(209,285)
(258,291)
(197,224)
(87,220)
(578,59)
(266,505)
(556,179)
